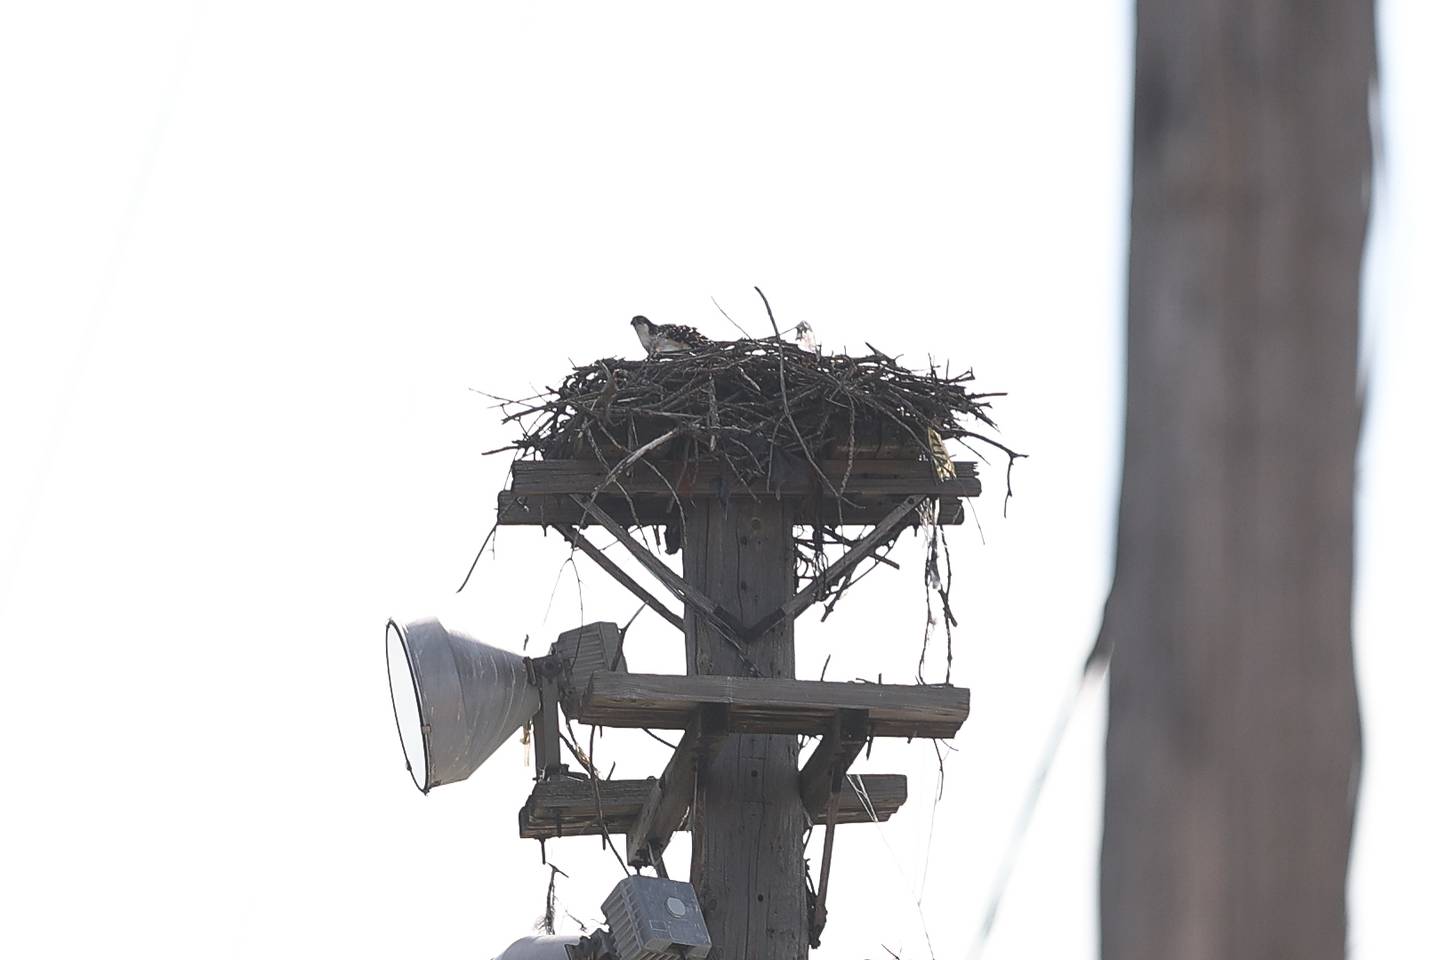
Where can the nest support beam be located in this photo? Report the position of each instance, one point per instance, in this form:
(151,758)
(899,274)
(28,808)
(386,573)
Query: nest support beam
(837,571)
(577,540)
(701,479)
(655,492)
(518,509)
(693,596)
(702,604)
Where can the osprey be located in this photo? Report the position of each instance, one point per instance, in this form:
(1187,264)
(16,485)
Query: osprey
(667,337)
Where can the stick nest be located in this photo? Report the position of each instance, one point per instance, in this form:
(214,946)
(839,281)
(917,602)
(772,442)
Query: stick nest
(759,405)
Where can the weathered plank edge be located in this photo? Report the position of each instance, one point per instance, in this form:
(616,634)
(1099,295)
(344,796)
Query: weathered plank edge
(514,510)
(772,704)
(567,808)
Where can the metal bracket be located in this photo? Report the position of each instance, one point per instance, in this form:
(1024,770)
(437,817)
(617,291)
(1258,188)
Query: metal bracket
(597,946)
(546,673)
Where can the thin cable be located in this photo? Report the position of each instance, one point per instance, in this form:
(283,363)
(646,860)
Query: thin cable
(1096,664)
(934,811)
(105,288)
(859,785)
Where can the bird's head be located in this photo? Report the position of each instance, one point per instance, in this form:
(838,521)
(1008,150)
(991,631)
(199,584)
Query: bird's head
(640,323)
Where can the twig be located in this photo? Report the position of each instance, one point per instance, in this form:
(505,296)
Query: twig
(727,317)
(785,401)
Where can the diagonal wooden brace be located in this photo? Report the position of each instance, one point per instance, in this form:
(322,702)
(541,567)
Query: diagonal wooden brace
(670,798)
(824,773)
(674,582)
(704,607)
(578,540)
(820,784)
(868,544)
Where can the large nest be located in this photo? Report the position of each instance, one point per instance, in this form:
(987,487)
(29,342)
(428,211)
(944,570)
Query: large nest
(758,405)
(773,413)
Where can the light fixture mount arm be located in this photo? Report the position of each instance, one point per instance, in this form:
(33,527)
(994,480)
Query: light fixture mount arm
(546,674)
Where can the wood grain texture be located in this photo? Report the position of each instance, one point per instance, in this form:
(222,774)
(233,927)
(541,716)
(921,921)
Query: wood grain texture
(514,509)
(773,705)
(747,822)
(706,479)
(566,807)
(1232,757)
(695,599)
(824,770)
(663,811)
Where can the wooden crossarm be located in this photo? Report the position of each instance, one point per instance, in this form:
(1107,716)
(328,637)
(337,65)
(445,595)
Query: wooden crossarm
(521,509)
(565,807)
(866,478)
(772,704)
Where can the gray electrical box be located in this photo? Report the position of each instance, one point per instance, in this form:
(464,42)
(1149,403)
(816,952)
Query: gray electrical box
(586,650)
(655,919)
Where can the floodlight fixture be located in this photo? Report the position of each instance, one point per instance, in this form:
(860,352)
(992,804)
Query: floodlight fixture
(544,947)
(456,699)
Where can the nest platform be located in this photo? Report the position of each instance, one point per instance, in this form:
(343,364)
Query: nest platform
(847,438)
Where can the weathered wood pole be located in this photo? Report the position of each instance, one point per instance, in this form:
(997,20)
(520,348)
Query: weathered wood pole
(747,860)
(1233,756)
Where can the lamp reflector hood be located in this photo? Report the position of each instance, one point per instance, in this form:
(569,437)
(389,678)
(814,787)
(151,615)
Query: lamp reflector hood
(456,699)
(539,948)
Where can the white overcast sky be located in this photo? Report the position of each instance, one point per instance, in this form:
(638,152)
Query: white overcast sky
(252,257)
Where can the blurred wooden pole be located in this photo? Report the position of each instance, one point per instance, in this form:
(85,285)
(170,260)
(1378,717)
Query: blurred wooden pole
(1234,743)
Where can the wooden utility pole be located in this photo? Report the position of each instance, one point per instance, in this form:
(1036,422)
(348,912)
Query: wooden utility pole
(734,778)
(747,861)
(1233,754)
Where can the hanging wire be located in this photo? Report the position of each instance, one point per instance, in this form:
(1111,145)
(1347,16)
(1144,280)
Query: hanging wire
(1094,669)
(73,376)
(858,784)
(547,920)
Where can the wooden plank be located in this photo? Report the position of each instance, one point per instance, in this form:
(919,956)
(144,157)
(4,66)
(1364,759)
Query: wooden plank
(566,807)
(514,509)
(874,793)
(773,704)
(824,771)
(669,801)
(712,479)
(576,539)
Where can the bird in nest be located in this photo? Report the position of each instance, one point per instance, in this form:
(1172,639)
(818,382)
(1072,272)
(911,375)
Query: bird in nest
(658,338)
